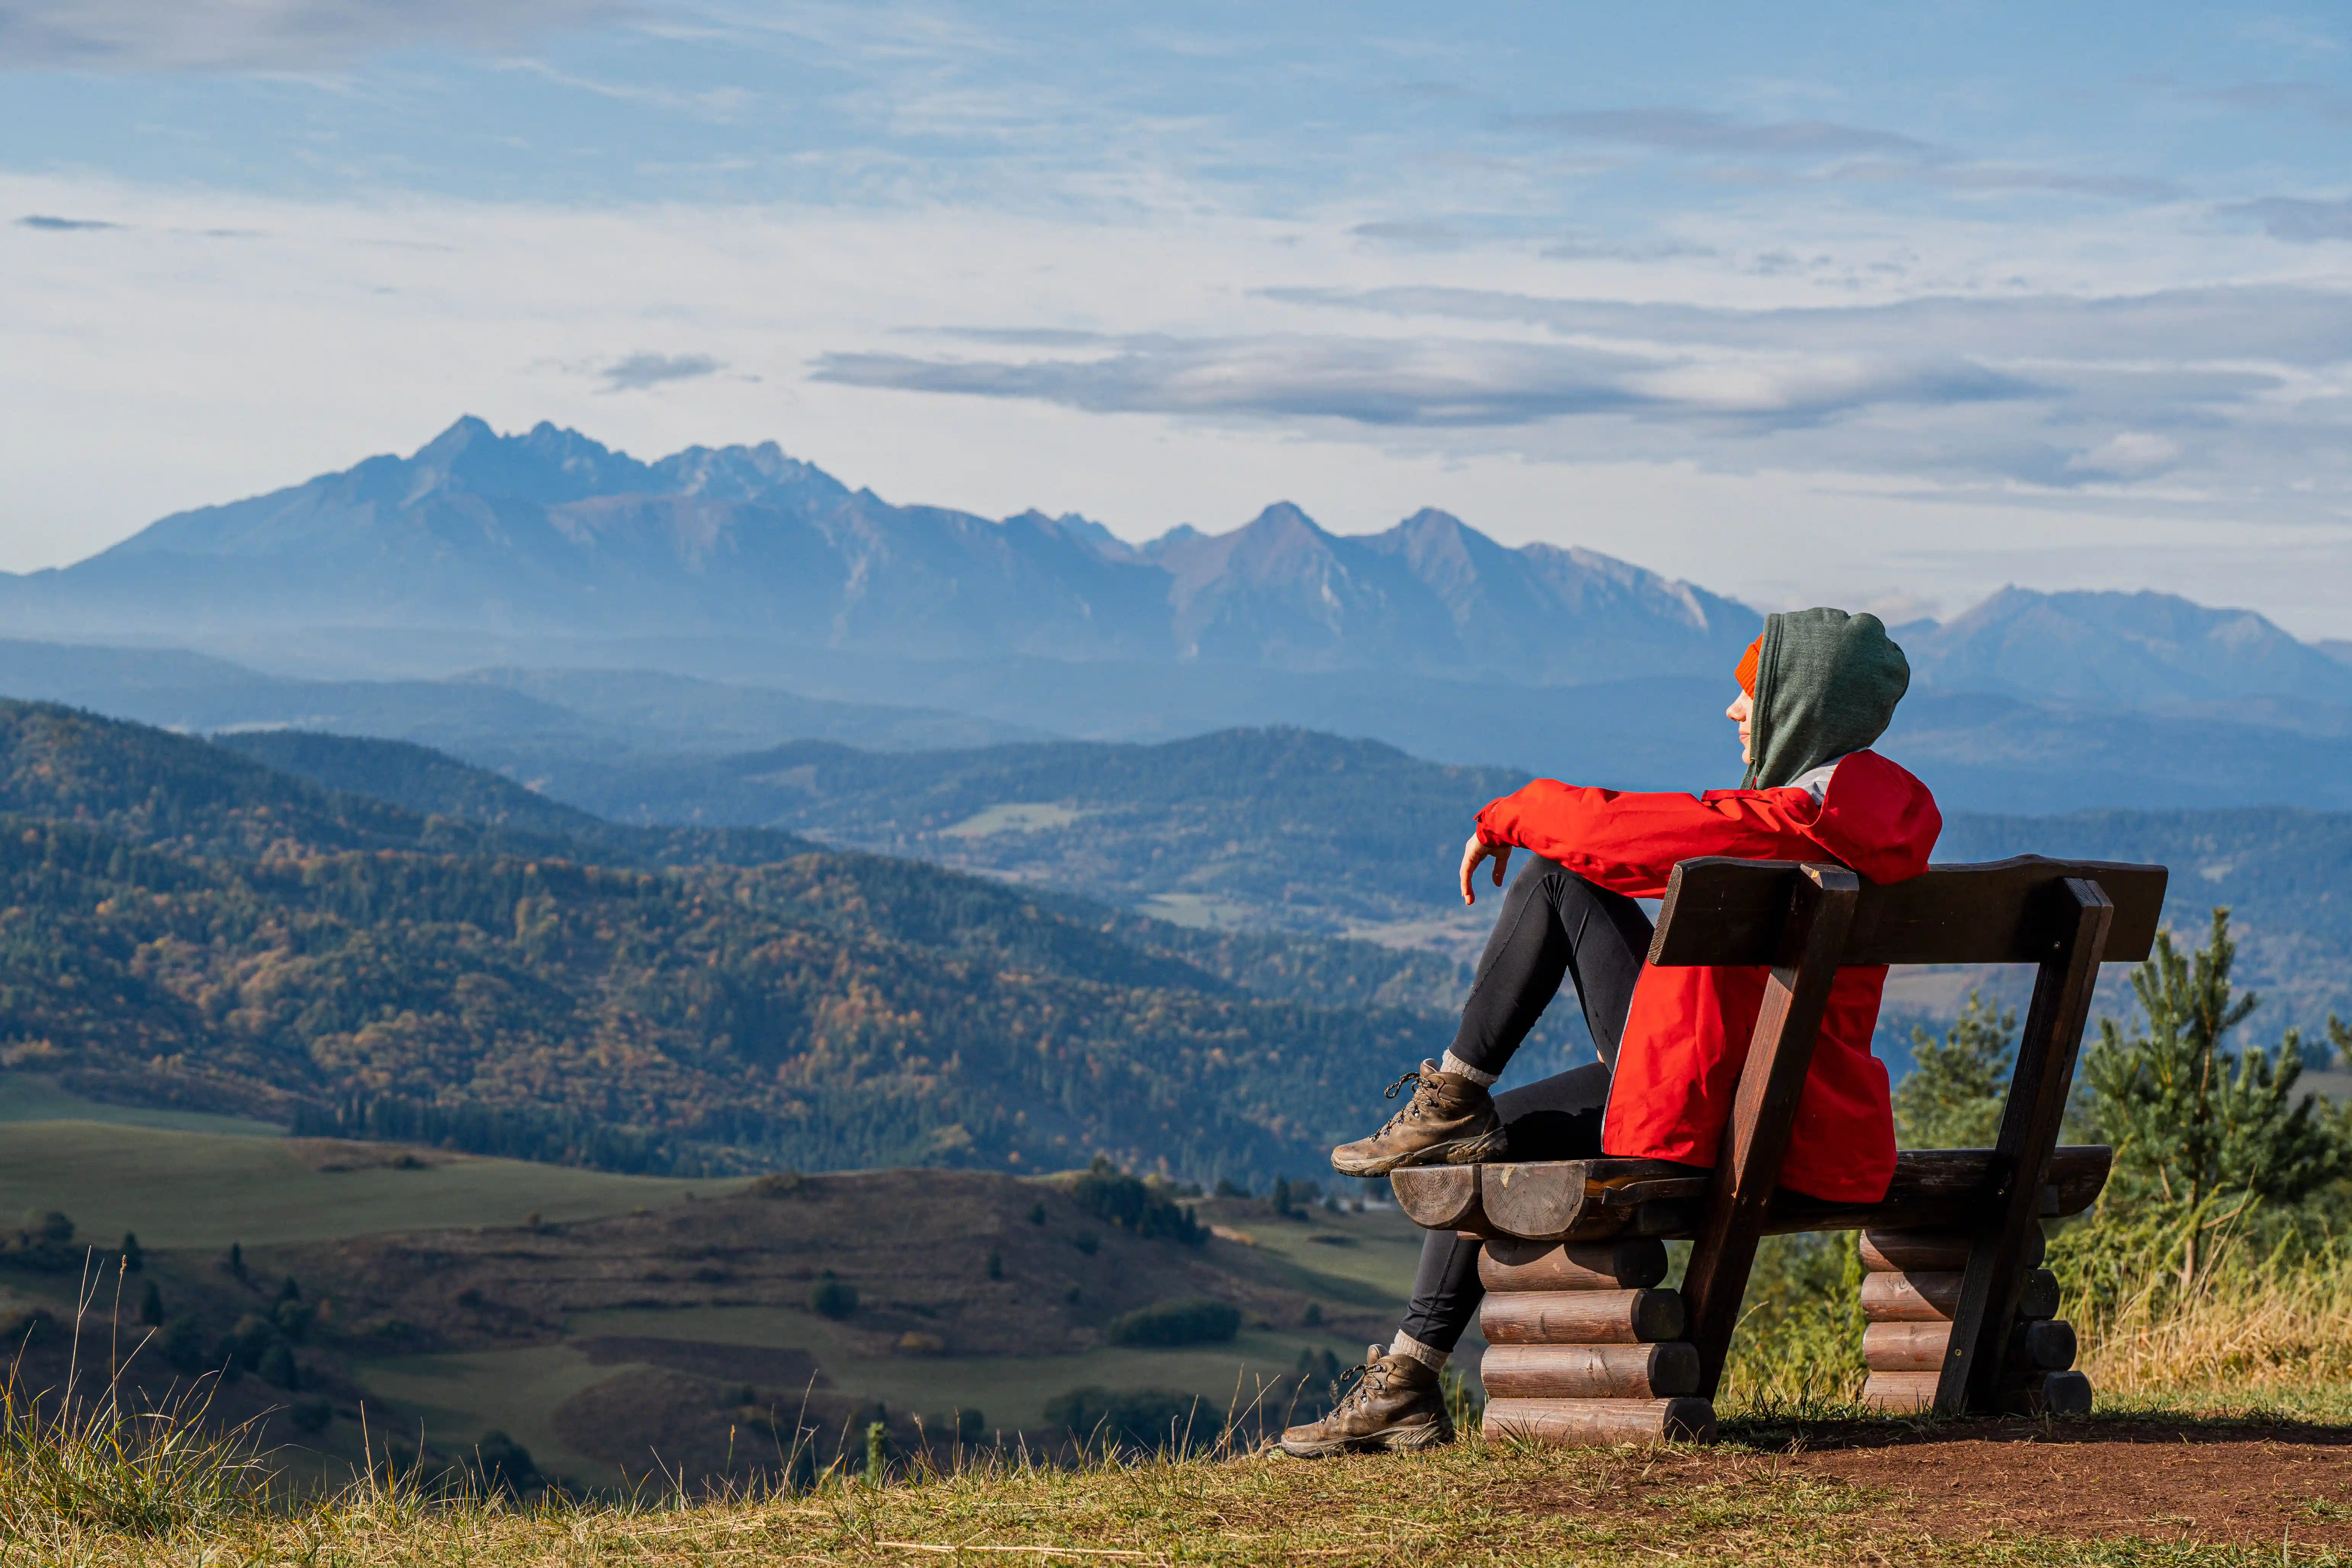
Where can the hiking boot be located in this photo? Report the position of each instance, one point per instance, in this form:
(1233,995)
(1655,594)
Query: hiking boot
(1449,1120)
(1396,1406)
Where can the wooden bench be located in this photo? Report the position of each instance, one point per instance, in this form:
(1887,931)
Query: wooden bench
(1586,1347)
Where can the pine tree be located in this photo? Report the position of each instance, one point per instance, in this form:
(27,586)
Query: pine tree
(2193,1123)
(1953,1097)
(150,1306)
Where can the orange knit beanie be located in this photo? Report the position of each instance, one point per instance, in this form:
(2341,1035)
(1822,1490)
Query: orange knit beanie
(1746,673)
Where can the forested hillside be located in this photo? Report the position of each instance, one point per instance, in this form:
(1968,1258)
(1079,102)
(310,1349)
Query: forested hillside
(1289,829)
(177,923)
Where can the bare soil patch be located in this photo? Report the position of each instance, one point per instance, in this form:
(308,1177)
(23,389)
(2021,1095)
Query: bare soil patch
(2164,1483)
(2210,1482)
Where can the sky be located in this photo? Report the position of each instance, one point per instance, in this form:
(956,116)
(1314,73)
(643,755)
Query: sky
(1825,303)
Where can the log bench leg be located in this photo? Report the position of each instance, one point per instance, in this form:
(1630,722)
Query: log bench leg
(1583,1349)
(1907,1299)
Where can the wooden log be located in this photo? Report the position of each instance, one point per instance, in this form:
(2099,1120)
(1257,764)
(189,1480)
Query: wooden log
(1892,1346)
(2047,1393)
(1905,1251)
(1588,1372)
(1581,1316)
(2045,1345)
(1932,1295)
(1508,1263)
(1899,1393)
(1545,1200)
(1439,1197)
(1596,1423)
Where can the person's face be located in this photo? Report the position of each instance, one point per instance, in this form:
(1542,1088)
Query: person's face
(1738,714)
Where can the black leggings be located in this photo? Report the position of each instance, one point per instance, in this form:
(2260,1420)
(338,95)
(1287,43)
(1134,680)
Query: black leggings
(1554,924)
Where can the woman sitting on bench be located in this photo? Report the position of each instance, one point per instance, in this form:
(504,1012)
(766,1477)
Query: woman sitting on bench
(1815,690)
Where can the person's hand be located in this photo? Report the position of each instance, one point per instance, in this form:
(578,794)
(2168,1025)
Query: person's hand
(1478,849)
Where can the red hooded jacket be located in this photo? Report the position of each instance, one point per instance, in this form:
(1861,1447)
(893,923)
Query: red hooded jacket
(1687,1037)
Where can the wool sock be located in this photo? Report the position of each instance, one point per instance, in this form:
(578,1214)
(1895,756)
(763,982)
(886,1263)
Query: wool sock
(1455,1064)
(1430,1356)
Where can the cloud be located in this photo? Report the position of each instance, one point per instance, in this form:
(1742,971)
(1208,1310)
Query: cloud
(1842,154)
(2306,97)
(2294,220)
(2295,324)
(2212,392)
(1430,383)
(2128,454)
(62,224)
(1698,130)
(639,371)
(273,35)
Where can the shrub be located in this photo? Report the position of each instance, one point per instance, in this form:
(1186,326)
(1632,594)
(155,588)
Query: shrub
(1197,1322)
(48,1226)
(250,1340)
(181,1344)
(294,1318)
(1138,1206)
(1152,1419)
(503,1464)
(310,1414)
(835,1298)
(277,1367)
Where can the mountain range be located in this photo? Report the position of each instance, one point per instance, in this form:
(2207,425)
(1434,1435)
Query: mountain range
(547,606)
(549,534)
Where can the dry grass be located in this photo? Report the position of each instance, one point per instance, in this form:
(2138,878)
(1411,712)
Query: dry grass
(86,1458)
(1474,1506)
(2247,1329)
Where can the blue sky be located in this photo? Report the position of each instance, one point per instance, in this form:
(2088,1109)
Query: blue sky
(1828,302)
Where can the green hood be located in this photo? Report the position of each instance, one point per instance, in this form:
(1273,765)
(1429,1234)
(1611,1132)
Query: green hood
(1826,684)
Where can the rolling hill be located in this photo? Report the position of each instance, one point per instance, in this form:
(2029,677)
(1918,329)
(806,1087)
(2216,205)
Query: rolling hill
(185,926)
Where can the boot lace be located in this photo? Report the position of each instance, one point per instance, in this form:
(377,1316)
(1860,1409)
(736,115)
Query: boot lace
(1371,1382)
(1410,1110)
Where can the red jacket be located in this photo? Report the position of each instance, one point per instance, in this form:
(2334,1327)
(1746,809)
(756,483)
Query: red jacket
(1687,1037)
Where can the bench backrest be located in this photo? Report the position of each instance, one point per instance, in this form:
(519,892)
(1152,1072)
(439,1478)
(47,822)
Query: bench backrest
(1806,921)
(2002,911)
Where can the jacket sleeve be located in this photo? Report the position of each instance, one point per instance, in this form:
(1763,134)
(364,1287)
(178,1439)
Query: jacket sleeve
(1628,843)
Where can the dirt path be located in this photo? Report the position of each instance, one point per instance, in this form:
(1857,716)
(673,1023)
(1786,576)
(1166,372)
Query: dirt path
(2162,1481)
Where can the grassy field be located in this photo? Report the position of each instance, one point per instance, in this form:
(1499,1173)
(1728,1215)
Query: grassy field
(32,1096)
(190,1194)
(186,1189)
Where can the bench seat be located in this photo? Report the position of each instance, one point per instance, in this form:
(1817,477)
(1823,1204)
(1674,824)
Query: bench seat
(1595,1200)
